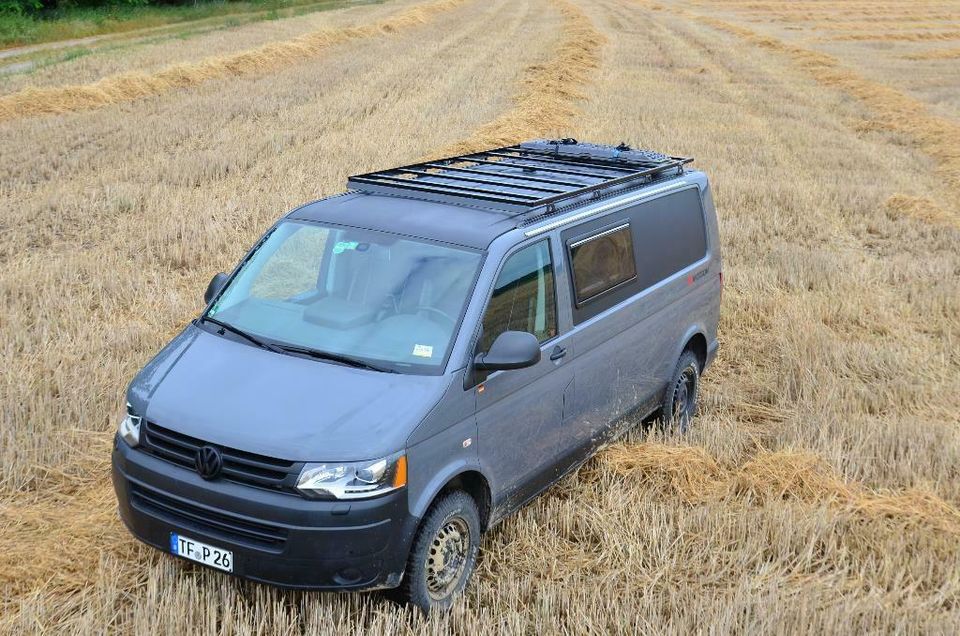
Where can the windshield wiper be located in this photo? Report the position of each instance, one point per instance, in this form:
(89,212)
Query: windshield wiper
(334,357)
(313,353)
(241,333)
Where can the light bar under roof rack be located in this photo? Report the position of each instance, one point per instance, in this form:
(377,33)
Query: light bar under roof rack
(530,177)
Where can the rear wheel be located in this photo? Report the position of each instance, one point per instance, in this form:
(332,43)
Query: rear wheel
(444,553)
(680,398)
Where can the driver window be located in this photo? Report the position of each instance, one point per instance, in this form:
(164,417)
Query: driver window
(523,297)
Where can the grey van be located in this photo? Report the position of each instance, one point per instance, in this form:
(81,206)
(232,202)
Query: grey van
(391,371)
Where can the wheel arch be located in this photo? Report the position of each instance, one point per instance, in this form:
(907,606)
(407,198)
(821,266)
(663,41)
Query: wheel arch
(695,339)
(466,477)
(696,342)
(476,485)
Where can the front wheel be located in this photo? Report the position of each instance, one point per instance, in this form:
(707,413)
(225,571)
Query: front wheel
(680,398)
(444,553)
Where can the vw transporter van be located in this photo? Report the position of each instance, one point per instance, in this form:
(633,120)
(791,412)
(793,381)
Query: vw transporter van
(391,371)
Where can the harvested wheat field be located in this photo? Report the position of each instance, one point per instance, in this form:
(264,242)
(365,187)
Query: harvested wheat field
(820,487)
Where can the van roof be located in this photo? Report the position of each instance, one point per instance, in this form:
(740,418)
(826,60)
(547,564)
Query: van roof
(450,223)
(471,199)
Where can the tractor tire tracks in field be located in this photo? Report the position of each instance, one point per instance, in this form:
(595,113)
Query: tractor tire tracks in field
(549,92)
(895,111)
(130,86)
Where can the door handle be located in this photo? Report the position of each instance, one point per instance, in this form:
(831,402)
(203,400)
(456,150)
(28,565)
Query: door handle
(557,353)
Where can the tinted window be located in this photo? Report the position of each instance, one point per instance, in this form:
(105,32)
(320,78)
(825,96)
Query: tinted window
(669,235)
(603,261)
(523,298)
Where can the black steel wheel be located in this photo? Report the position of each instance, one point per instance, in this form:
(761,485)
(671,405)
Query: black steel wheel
(447,558)
(444,553)
(680,399)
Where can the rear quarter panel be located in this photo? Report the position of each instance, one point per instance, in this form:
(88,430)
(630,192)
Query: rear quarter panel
(711,310)
(626,354)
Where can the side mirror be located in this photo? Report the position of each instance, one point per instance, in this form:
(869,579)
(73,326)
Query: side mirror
(216,284)
(511,350)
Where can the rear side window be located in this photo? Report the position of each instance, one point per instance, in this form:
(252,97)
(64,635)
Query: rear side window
(619,255)
(602,262)
(523,298)
(670,235)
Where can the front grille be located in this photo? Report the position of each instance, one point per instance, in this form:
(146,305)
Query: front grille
(238,466)
(215,523)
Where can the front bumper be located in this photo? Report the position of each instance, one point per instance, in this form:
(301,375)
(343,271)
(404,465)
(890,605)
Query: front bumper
(276,538)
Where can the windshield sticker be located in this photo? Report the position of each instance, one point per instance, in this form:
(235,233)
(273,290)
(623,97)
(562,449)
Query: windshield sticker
(423,351)
(343,246)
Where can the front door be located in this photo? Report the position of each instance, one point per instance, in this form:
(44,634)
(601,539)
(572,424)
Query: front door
(520,412)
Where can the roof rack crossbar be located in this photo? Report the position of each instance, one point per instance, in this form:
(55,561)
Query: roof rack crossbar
(641,175)
(504,175)
(527,157)
(534,167)
(386,188)
(516,186)
(503,197)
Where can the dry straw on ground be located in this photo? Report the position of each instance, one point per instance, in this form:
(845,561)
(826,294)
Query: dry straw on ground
(892,109)
(936,54)
(548,95)
(130,86)
(896,37)
(691,474)
(818,491)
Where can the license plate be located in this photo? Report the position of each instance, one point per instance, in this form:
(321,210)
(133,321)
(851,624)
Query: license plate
(201,552)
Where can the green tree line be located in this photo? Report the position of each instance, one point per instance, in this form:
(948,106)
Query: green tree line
(40,7)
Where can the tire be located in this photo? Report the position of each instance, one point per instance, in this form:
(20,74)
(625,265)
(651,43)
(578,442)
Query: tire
(680,398)
(450,530)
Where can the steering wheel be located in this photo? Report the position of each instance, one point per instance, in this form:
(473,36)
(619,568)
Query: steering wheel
(437,312)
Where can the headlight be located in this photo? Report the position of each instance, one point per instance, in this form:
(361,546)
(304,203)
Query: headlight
(130,427)
(353,480)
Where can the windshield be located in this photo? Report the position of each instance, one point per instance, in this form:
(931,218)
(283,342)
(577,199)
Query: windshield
(373,296)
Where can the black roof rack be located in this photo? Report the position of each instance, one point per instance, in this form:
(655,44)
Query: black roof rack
(534,176)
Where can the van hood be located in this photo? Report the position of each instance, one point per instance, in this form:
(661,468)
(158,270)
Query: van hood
(298,409)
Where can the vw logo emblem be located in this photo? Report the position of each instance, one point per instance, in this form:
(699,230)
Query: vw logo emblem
(209,462)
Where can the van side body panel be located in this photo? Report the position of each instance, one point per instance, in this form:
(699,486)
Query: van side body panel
(519,412)
(619,363)
(627,351)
